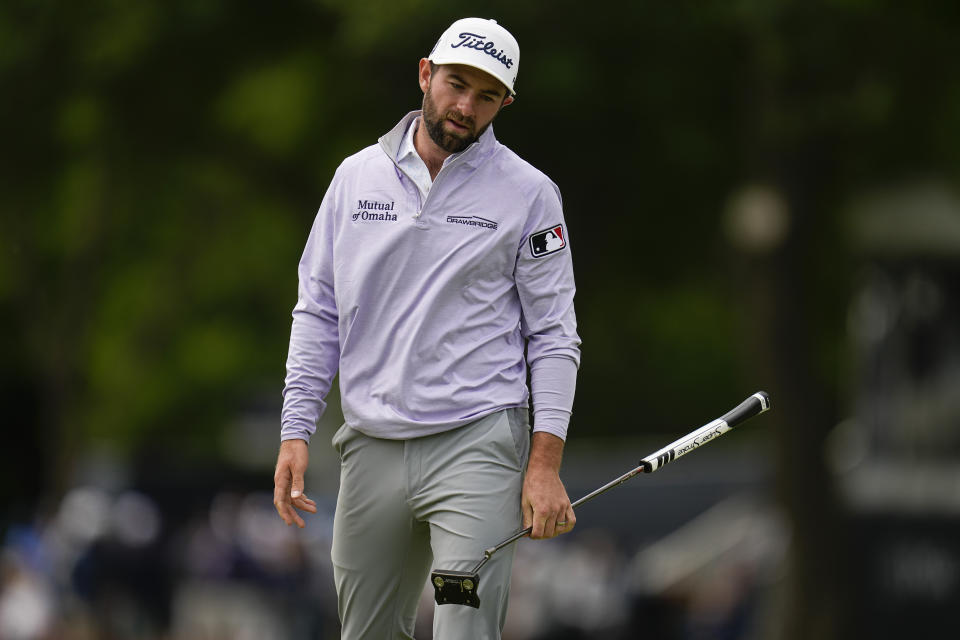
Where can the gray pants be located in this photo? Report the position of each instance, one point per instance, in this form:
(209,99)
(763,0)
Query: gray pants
(405,505)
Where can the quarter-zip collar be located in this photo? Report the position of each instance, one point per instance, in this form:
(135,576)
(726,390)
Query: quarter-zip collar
(472,155)
(409,160)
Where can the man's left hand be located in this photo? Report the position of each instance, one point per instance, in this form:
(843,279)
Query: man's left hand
(546,507)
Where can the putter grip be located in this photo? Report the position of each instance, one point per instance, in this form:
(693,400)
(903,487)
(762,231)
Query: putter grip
(752,406)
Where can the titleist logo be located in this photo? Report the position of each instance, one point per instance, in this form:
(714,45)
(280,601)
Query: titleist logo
(480,43)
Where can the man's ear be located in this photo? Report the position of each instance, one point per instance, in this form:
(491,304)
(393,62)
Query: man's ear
(506,101)
(424,74)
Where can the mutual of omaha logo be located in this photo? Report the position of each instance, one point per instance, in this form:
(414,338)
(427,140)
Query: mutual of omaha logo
(543,243)
(374,211)
(473,221)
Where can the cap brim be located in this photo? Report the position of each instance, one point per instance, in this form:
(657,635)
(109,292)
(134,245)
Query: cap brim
(510,92)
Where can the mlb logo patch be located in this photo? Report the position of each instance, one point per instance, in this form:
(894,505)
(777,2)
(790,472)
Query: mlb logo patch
(543,243)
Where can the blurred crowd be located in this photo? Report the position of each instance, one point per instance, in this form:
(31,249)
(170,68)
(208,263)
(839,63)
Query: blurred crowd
(107,565)
(110,564)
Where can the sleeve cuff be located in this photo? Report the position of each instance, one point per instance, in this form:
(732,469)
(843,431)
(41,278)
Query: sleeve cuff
(552,421)
(295,432)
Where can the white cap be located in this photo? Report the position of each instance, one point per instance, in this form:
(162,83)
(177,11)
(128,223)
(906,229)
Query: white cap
(482,44)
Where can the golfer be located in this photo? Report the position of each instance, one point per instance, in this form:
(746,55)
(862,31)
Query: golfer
(437,276)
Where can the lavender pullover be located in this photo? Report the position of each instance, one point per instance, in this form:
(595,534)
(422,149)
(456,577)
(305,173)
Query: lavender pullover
(425,305)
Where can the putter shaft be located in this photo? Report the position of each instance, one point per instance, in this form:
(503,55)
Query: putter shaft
(593,494)
(752,406)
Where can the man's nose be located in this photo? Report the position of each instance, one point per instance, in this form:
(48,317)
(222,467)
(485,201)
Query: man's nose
(467,105)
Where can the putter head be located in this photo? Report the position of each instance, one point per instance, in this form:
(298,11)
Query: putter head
(456,587)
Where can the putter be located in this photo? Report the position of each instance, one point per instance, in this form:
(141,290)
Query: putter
(460,587)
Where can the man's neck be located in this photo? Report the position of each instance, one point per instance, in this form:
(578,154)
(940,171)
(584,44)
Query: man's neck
(430,152)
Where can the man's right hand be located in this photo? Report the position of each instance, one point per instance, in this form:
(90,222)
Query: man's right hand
(288,482)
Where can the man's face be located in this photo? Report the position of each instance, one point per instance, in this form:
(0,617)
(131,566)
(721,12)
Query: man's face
(459,103)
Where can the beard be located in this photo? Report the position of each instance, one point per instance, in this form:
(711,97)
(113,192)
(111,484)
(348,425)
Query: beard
(449,142)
